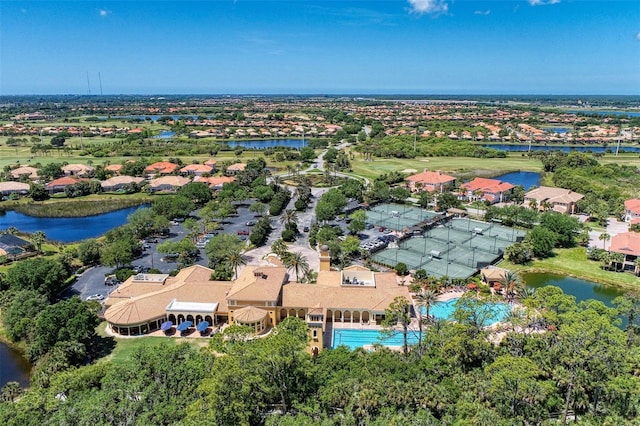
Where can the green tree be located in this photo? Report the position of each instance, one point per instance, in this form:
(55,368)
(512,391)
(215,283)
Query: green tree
(542,241)
(38,238)
(18,316)
(46,276)
(398,313)
(298,263)
(198,192)
(117,253)
(235,259)
(38,192)
(219,247)
(358,221)
(515,388)
(172,206)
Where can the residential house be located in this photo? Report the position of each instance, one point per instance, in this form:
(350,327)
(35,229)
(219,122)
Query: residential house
(27,172)
(60,184)
(628,244)
(160,168)
(557,199)
(430,181)
(491,190)
(8,188)
(196,170)
(631,210)
(77,170)
(115,168)
(168,183)
(234,169)
(215,182)
(117,183)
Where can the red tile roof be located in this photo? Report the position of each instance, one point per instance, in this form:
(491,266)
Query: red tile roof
(162,167)
(487,185)
(626,243)
(430,177)
(632,205)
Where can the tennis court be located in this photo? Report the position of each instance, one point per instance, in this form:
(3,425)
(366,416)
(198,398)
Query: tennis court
(457,249)
(398,217)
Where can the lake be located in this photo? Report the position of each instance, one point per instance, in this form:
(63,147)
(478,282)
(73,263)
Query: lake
(67,229)
(525,148)
(13,366)
(269,143)
(526,179)
(618,113)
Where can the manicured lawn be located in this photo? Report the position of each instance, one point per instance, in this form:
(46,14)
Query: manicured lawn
(125,347)
(378,166)
(574,262)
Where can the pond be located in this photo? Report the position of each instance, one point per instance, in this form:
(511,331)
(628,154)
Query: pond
(525,148)
(13,366)
(526,179)
(580,289)
(269,143)
(67,229)
(618,113)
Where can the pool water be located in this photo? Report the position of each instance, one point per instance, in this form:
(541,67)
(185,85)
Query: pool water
(444,310)
(353,338)
(357,338)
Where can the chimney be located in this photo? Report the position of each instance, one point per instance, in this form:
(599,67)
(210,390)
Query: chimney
(325,258)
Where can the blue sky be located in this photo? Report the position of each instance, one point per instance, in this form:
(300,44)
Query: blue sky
(322,47)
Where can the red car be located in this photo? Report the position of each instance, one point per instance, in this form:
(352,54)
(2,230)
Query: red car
(243,232)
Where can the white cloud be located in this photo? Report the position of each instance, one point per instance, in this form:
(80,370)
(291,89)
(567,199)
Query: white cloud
(482,12)
(104,13)
(542,2)
(429,6)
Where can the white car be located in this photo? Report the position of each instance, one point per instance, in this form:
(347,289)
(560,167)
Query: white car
(95,297)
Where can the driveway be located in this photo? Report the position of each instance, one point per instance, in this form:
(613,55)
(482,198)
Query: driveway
(614,227)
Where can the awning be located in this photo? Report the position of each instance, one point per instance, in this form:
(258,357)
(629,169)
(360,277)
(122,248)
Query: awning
(202,326)
(166,326)
(183,326)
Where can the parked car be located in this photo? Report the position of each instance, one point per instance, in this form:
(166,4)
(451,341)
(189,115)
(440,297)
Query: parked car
(251,223)
(243,232)
(95,297)
(305,229)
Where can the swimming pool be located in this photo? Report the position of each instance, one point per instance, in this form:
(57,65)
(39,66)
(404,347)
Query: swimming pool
(444,310)
(354,338)
(357,338)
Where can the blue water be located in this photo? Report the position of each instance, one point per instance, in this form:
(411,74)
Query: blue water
(357,338)
(269,143)
(559,130)
(526,179)
(67,229)
(165,134)
(353,338)
(525,148)
(619,113)
(444,310)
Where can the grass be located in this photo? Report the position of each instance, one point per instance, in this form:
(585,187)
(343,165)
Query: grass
(125,347)
(573,262)
(77,207)
(469,166)
(454,165)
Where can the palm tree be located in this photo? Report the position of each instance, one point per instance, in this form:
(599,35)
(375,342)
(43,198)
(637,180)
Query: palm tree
(235,260)
(424,299)
(533,204)
(618,259)
(636,266)
(297,263)
(38,239)
(511,283)
(289,216)
(12,230)
(280,248)
(546,205)
(604,237)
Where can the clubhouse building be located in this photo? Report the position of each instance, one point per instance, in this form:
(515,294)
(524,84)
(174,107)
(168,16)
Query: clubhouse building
(260,298)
